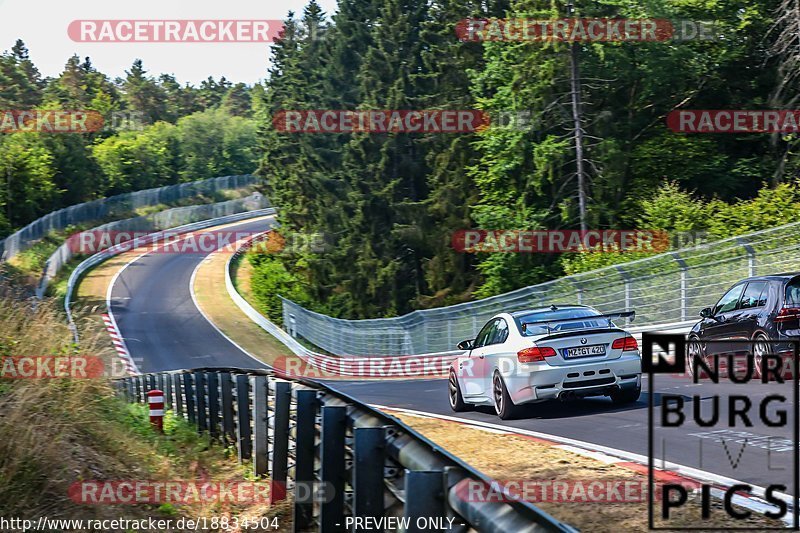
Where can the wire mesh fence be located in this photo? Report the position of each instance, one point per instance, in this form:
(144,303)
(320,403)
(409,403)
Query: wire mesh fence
(117,206)
(662,289)
(170,218)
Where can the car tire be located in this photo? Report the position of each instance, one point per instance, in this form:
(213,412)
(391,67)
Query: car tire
(692,345)
(761,347)
(623,396)
(503,405)
(457,402)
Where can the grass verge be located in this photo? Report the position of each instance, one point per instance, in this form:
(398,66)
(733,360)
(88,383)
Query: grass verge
(213,299)
(57,432)
(511,457)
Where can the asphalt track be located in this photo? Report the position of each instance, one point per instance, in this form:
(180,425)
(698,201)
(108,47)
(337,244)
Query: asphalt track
(164,330)
(156,315)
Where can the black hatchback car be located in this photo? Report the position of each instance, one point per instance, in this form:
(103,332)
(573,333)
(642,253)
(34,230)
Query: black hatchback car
(757,309)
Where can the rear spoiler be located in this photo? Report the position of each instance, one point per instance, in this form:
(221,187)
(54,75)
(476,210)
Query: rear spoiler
(609,316)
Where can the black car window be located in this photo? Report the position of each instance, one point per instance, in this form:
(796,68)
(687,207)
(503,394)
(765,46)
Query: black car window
(793,293)
(499,333)
(483,336)
(755,295)
(729,301)
(543,327)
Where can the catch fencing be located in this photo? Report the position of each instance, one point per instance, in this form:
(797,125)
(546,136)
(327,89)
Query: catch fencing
(98,258)
(335,456)
(326,365)
(170,218)
(667,288)
(113,207)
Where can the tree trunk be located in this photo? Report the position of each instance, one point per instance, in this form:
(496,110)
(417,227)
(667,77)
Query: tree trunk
(575,82)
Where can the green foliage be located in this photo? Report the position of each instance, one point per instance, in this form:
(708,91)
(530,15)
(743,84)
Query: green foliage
(168,133)
(135,160)
(270,280)
(27,187)
(391,202)
(675,210)
(214,143)
(202,145)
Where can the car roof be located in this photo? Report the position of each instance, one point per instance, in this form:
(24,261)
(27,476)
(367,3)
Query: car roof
(772,277)
(517,314)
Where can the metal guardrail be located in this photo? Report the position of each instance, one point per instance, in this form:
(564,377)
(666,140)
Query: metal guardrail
(332,364)
(103,208)
(665,288)
(98,258)
(354,460)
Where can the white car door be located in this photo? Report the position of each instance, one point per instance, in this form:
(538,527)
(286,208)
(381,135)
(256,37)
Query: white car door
(475,368)
(494,354)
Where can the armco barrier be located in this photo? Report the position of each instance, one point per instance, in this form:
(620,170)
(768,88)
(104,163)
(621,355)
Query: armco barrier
(334,455)
(103,208)
(169,218)
(666,288)
(98,258)
(330,364)
(338,365)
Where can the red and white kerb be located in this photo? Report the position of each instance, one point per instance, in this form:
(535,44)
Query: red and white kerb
(119,344)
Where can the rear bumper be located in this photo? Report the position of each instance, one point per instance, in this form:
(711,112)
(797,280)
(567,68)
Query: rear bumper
(589,379)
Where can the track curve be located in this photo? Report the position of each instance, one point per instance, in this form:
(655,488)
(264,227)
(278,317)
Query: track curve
(152,303)
(164,330)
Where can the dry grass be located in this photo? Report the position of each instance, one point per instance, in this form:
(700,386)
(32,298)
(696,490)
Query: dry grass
(54,432)
(212,297)
(515,457)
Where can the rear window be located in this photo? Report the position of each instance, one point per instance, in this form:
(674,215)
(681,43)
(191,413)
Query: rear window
(540,316)
(793,293)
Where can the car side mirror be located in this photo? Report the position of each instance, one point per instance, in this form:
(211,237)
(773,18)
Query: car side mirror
(465,345)
(706,313)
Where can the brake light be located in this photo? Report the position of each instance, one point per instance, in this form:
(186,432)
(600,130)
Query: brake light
(625,344)
(532,355)
(787,313)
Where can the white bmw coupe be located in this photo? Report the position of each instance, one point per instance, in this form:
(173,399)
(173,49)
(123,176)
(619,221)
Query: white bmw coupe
(563,352)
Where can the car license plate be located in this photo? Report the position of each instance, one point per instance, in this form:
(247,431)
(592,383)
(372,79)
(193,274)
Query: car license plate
(585,351)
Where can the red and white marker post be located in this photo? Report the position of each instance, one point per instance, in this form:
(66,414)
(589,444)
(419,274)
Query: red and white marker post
(156,400)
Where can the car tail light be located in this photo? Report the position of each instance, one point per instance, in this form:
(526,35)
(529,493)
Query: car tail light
(625,344)
(532,355)
(787,313)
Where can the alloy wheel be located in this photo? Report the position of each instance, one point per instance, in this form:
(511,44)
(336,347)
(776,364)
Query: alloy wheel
(498,393)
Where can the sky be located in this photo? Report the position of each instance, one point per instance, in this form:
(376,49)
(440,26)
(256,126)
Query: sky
(42,24)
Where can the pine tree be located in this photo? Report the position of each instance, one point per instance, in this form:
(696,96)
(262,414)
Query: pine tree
(143,94)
